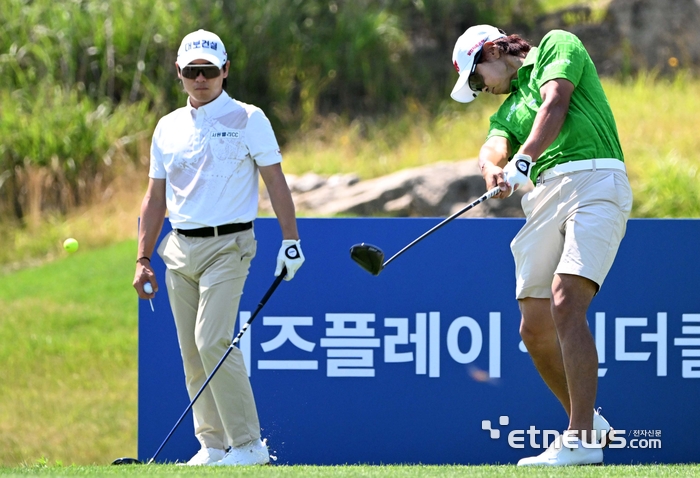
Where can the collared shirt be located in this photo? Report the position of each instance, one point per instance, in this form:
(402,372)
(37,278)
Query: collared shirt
(589,130)
(209,157)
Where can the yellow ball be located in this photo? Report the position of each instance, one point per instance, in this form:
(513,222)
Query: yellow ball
(70,245)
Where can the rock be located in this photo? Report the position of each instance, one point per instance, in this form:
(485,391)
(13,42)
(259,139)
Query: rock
(307,182)
(429,191)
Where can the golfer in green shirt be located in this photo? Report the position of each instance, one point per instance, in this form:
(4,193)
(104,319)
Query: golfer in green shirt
(557,130)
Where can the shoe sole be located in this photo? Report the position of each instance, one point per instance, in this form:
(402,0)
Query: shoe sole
(542,465)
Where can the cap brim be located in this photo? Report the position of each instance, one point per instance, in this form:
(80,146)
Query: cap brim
(461,92)
(186,59)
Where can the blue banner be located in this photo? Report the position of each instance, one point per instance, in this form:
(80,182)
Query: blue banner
(424,363)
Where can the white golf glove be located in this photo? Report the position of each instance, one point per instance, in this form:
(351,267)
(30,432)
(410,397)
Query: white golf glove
(290,255)
(517,171)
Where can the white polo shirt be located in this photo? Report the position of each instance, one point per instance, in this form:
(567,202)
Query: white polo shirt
(209,157)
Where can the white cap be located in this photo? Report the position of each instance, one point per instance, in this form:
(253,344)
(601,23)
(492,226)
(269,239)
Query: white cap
(466,49)
(201,45)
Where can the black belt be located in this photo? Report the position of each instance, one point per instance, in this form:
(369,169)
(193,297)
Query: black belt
(216,230)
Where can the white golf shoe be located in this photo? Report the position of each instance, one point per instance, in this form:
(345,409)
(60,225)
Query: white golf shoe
(602,428)
(253,453)
(205,456)
(559,454)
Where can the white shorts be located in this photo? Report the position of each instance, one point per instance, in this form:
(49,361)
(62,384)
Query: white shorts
(574,225)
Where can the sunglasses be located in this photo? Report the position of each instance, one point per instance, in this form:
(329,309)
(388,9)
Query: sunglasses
(475,80)
(191,72)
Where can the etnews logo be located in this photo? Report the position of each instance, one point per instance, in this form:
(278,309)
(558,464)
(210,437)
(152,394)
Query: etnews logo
(638,439)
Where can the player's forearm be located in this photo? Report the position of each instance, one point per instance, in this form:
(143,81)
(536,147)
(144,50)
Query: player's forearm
(281,200)
(494,152)
(284,209)
(150,224)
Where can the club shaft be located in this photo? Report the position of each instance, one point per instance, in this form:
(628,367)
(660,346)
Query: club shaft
(488,195)
(235,341)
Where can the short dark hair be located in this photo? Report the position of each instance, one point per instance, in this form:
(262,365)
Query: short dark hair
(513,45)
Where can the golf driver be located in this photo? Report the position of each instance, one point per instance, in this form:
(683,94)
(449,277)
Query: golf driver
(236,339)
(371,258)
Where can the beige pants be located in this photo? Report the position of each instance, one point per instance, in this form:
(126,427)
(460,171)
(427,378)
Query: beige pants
(205,278)
(574,225)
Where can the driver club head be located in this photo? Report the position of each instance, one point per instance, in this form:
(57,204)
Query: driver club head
(125,460)
(369,257)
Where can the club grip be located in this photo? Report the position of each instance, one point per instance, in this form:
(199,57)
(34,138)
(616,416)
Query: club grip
(492,192)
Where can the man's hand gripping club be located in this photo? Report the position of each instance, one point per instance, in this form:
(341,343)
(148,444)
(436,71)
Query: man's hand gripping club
(517,172)
(289,256)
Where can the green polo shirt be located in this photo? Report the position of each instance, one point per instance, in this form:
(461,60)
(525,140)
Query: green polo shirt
(589,130)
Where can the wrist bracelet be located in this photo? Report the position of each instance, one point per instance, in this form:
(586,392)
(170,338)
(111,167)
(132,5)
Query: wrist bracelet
(144,257)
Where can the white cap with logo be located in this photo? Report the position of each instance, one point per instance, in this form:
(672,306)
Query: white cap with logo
(201,45)
(466,51)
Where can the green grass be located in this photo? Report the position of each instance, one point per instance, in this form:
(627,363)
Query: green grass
(660,141)
(386,471)
(372,147)
(68,345)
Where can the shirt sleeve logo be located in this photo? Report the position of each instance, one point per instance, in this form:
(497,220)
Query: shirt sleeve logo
(557,63)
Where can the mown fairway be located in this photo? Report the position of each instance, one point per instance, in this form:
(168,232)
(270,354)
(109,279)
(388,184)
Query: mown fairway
(68,341)
(388,471)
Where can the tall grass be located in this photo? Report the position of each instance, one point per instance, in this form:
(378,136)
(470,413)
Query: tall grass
(657,122)
(79,77)
(372,147)
(110,218)
(60,149)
